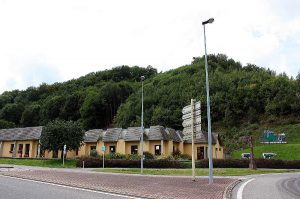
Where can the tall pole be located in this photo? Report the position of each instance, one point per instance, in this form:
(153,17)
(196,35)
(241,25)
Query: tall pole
(193,137)
(142,126)
(208,109)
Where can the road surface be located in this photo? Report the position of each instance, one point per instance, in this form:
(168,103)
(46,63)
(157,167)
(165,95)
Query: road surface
(270,186)
(14,188)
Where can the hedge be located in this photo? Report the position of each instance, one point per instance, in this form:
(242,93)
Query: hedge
(244,163)
(90,162)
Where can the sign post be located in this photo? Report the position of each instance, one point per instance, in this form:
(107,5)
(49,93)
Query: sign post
(192,125)
(64,153)
(103,152)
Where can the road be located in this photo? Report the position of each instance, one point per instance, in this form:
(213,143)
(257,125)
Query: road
(271,186)
(14,188)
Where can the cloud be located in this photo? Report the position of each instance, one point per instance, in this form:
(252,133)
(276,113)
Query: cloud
(71,38)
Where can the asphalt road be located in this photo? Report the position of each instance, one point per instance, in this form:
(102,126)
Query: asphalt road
(14,188)
(271,186)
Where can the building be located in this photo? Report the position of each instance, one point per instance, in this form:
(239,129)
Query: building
(24,142)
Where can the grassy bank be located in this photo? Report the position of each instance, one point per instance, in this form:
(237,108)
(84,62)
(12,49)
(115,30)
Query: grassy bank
(39,162)
(199,172)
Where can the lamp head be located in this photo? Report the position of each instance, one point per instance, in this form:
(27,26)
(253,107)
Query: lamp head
(142,78)
(211,20)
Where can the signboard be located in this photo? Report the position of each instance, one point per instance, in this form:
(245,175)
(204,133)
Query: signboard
(188,122)
(188,109)
(189,115)
(65,149)
(103,149)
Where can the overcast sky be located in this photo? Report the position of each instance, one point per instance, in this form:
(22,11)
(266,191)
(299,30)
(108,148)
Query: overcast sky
(53,41)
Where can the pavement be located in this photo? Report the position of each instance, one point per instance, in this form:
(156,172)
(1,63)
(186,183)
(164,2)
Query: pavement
(143,186)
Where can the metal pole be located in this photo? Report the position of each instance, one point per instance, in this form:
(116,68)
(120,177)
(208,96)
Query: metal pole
(103,160)
(193,138)
(142,127)
(208,116)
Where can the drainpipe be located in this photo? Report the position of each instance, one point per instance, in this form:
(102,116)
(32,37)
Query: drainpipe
(1,148)
(162,146)
(14,150)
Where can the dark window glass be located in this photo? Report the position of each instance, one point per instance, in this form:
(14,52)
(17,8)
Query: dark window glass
(134,149)
(112,149)
(157,149)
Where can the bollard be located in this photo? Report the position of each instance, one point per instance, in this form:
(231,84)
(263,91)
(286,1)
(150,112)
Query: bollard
(83,164)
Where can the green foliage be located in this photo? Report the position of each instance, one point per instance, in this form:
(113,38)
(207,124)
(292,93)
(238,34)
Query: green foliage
(31,115)
(115,156)
(148,155)
(58,133)
(6,125)
(12,113)
(94,153)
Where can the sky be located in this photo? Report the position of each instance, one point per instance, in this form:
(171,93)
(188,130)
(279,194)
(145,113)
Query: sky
(47,41)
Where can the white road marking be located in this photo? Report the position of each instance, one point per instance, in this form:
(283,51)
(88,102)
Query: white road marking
(241,189)
(70,187)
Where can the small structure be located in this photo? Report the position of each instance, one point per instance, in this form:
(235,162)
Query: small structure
(269,137)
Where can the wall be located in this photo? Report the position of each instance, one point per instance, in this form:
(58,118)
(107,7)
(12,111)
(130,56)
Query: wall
(128,145)
(6,148)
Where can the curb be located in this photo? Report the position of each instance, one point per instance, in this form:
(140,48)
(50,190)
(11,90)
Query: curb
(228,191)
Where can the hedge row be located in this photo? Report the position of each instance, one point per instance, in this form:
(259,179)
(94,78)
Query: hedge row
(244,163)
(90,162)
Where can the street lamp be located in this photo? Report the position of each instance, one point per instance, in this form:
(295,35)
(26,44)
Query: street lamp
(211,20)
(142,126)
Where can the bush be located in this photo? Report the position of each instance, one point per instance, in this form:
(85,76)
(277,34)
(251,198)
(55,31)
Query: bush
(148,156)
(165,157)
(90,162)
(133,157)
(94,153)
(244,163)
(115,156)
(182,157)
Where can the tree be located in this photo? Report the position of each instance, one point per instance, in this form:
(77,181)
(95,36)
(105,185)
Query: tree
(58,133)
(31,115)
(6,125)
(12,113)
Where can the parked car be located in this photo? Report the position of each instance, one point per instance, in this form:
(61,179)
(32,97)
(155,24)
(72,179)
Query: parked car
(245,155)
(268,155)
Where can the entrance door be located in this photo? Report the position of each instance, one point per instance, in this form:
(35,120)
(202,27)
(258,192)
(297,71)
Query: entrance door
(200,153)
(20,150)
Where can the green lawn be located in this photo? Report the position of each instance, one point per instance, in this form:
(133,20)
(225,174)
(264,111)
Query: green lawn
(199,172)
(39,163)
(283,151)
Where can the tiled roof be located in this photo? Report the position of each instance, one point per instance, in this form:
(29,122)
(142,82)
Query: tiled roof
(112,135)
(133,134)
(173,135)
(202,138)
(28,133)
(93,135)
(157,133)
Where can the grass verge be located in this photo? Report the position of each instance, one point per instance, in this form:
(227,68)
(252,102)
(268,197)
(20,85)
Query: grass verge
(39,162)
(199,172)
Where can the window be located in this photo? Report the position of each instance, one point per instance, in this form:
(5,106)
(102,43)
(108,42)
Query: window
(93,148)
(157,149)
(112,149)
(55,154)
(11,148)
(220,149)
(27,148)
(134,149)
(76,152)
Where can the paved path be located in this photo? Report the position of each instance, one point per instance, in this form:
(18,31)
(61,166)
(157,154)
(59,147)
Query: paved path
(132,185)
(13,188)
(269,186)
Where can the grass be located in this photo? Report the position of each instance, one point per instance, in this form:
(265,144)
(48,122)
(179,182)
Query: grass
(199,171)
(283,151)
(39,162)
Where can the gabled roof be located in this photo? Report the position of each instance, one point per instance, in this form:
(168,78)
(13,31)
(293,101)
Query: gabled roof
(112,135)
(173,135)
(93,135)
(202,138)
(157,133)
(133,134)
(28,133)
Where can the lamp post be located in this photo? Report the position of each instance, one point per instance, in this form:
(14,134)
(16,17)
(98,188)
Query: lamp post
(211,20)
(142,126)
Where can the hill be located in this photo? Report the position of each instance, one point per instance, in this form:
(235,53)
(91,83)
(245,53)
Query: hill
(241,97)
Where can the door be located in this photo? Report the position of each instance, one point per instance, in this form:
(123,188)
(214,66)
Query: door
(200,153)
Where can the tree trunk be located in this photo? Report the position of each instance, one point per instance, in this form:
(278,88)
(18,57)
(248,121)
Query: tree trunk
(252,164)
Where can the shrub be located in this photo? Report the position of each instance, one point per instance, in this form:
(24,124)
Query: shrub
(133,157)
(244,163)
(182,157)
(176,152)
(94,153)
(115,156)
(165,157)
(148,156)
